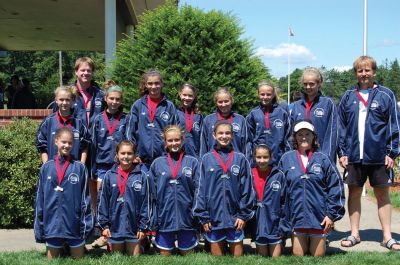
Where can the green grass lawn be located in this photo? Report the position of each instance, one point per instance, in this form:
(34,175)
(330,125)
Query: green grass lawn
(353,258)
(394,197)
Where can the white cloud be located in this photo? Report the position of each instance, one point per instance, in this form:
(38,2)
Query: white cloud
(298,53)
(387,43)
(342,68)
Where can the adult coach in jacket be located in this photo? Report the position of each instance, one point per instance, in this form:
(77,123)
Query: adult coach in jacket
(368,145)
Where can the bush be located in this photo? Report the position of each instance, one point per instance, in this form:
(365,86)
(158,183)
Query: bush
(19,170)
(190,45)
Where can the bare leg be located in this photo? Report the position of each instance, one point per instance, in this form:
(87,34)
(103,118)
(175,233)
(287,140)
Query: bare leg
(118,247)
(217,249)
(300,245)
(133,249)
(52,253)
(78,252)
(275,250)
(236,249)
(186,252)
(93,194)
(354,206)
(164,252)
(317,246)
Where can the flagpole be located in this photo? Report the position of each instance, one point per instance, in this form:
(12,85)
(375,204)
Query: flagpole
(288,58)
(365,27)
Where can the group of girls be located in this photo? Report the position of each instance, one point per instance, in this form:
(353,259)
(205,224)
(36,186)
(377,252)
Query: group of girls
(168,170)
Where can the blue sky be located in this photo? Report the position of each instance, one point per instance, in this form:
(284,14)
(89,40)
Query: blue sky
(328,33)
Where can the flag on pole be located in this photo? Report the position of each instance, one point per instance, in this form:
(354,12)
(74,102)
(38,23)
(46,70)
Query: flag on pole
(291,34)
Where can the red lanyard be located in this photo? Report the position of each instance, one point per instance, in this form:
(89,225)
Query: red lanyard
(85,95)
(111,128)
(365,102)
(174,171)
(301,160)
(225,167)
(221,118)
(189,121)
(152,108)
(259,182)
(61,173)
(308,108)
(267,123)
(122,186)
(60,118)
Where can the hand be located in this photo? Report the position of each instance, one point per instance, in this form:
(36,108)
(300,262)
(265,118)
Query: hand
(239,224)
(140,235)
(389,162)
(207,227)
(344,161)
(137,160)
(327,223)
(106,233)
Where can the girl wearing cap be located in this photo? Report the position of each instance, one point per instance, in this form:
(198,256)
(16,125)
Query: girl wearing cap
(268,124)
(315,194)
(321,111)
(108,130)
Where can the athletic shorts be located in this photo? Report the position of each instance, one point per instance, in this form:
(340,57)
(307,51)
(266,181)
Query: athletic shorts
(310,232)
(122,240)
(264,241)
(377,174)
(230,235)
(57,242)
(187,240)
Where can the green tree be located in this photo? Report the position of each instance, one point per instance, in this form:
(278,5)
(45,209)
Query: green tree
(190,45)
(393,81)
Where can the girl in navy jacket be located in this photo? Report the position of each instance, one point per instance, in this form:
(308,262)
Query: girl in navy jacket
(269,185)
(224,198)
(149,116)
(62,209)
(64,117)
(174,176)
(189,119)
(318,109)
(268,124)
(224,101)
(315,193)
(124,206)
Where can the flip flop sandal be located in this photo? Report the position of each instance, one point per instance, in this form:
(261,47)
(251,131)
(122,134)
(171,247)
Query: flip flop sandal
(390,243)
(353,241)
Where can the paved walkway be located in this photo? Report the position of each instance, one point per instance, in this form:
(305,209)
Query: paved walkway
(23,239)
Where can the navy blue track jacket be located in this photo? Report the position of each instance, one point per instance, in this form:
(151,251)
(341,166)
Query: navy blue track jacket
(314,195)
(381,136)
(124,218)
(46,136)
(269,212)
(239,133)
(174,197)
(67,213)
(103,146)
(276,138)
(221,199)
(192,139)
(323,116)
(148,139)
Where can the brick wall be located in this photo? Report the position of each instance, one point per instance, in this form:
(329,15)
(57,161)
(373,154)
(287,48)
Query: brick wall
(6,115)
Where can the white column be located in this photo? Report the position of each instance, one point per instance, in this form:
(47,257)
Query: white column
(110,33)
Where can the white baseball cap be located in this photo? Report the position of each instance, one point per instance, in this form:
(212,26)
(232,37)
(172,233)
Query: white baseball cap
(303,125)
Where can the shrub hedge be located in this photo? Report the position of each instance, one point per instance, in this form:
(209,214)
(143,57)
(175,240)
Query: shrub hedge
(19,170)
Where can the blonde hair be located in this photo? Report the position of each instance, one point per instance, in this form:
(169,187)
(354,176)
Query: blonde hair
(363,60)
(170,128)
(83,60)
(274,90)
(70,89)
(222,90)
(312,71)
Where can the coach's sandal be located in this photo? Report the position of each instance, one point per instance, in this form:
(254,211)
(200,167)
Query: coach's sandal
(352,241)
(390,243)
(100,242)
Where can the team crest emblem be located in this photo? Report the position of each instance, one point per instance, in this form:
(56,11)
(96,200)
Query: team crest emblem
(137,185)
(235,170)
(165,116)
(235,127)
(318,112)
(73,178)
(275,185)
(278,123)
(187,171)
(374,105)
(316,168)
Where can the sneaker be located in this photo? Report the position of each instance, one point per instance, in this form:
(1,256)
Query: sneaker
(100,242)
